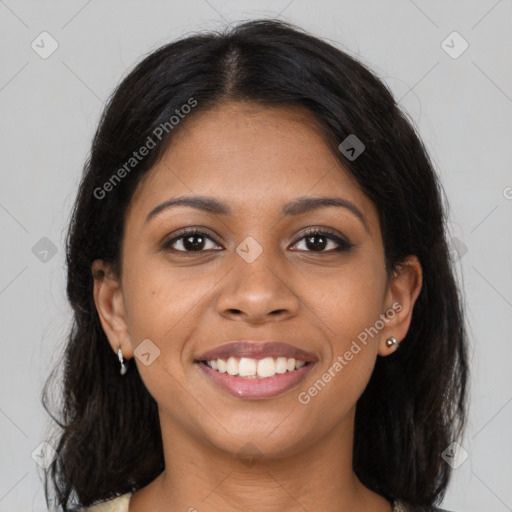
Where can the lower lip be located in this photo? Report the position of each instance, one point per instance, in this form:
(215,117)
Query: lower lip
(256,388)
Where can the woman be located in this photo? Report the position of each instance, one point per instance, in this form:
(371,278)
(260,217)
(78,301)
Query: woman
(265,313)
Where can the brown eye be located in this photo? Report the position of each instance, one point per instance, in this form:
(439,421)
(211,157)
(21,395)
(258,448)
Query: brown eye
(190,241)
(318,241)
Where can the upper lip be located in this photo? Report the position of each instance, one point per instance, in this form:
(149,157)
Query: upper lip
(257,350)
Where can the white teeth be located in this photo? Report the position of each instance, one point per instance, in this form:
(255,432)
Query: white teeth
(246,367)
(221,365)
(266,367)
(256,368)
(290,364)
(232,366)
(281,365)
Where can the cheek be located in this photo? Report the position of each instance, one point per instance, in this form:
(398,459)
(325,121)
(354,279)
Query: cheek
(160,307)
(160,303)
(349,301)
(345,373)
(349,304)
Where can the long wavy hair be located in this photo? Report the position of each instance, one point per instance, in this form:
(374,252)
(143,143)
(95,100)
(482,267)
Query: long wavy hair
(108,437)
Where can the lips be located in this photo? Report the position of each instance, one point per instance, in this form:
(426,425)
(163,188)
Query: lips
(239,359)
(255,389)
(257,350)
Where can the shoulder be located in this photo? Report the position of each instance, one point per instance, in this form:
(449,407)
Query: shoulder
(402,506)
(119,504)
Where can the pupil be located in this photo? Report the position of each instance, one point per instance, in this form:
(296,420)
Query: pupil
(192,246)
(320,245)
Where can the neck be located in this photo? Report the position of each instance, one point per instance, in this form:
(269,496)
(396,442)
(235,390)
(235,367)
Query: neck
(201,477)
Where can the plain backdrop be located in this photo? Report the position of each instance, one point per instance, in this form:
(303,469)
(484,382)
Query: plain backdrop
(459,98)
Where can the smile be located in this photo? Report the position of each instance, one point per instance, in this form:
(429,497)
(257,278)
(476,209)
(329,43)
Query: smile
(255,379)
(249,368)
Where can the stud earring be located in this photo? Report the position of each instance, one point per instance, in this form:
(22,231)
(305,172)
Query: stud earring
(392,341)
(123,366)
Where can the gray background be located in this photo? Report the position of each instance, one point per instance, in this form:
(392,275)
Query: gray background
(50,109)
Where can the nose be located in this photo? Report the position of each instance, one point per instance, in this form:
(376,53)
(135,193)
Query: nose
(256,293)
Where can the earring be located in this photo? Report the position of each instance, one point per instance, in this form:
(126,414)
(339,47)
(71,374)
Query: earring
(123,366)
(392,341)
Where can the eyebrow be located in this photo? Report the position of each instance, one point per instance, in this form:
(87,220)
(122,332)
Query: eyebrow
(299,206)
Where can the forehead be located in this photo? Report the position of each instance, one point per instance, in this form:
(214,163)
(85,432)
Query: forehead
(251,156)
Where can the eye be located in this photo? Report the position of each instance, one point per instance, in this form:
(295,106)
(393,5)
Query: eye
(316,240)
(191,240)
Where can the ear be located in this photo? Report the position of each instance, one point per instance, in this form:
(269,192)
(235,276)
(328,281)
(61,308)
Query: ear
(108,297)
(403,290)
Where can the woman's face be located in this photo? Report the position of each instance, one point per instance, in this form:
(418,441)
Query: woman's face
(255,274)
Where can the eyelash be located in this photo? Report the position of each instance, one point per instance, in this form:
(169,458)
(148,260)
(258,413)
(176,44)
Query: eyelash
(344,245)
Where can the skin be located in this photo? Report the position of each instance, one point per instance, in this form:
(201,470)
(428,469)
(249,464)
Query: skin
(255,159)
